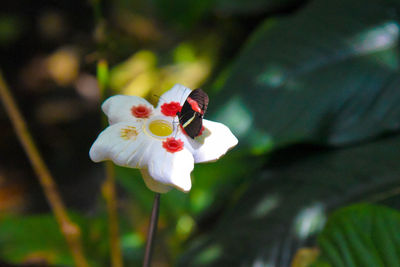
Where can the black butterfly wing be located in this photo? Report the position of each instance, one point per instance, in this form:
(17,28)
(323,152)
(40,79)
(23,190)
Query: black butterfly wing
(201,98)
(190,120)
(194,128)
(186,112)
(185,116)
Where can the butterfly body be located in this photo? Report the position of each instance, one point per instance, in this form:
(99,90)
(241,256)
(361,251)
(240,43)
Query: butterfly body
(192,112)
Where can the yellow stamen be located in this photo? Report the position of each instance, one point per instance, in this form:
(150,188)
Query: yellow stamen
(129,133)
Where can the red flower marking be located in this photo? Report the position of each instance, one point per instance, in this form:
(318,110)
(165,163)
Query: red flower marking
(141,111)
(170,109)
(173,145)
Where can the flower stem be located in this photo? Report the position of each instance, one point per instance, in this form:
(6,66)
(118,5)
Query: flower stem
(70,230)
(111,201)
(152,231)
(109,185)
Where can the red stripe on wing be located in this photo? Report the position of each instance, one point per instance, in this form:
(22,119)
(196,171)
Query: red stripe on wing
(194,105)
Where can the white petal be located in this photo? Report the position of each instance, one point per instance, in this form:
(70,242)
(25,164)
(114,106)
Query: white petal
(153,184)
(178,93)
(118,107)
(215,141)
(172,168)
(111,144)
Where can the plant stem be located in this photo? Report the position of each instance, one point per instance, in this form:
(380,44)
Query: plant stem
(152,231)
(109,185)
(111,201)
(70,230)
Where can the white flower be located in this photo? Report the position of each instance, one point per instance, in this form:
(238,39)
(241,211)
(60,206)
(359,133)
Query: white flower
(148,138)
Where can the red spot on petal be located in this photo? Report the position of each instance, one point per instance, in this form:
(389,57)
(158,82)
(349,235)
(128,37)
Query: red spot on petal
(141,111)
(172,145)
(170,109)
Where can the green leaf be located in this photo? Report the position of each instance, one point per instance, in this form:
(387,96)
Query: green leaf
(369,237)
(328,74)
(184,13)
(33,236)
(39,237)
(287,204)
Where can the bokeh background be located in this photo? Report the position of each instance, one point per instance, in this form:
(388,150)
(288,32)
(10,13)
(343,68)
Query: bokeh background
(310,88)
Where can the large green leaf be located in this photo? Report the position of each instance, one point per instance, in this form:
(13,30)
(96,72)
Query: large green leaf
(362,235)
(327,74)
(39,237)
(286,205)
(183,12)
(33,236)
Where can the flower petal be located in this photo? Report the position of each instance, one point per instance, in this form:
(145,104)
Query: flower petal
(171,168)
(153,184)
(123,143)
(118,108)
(178,93)
(215,141)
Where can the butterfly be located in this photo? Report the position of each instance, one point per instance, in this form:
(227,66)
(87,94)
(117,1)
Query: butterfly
(192,112)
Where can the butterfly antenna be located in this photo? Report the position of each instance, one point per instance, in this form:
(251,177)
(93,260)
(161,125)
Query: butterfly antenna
(183,94)
(158,97)
(175,124)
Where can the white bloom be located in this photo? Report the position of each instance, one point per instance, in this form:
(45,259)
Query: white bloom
(148,138)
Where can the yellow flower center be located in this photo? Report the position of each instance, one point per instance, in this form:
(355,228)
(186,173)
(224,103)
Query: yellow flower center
(160,128)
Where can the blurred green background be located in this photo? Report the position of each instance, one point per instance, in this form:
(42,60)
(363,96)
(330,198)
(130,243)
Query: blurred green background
(310,88)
